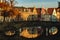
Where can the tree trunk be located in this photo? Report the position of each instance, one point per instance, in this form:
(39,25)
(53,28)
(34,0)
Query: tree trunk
(4,19)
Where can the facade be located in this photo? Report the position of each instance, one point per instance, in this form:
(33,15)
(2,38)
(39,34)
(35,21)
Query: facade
(54,15)
(54,12)
(45,15)
(27,12)
(58,14)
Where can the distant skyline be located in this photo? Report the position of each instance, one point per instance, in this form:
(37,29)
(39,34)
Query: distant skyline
(37,3)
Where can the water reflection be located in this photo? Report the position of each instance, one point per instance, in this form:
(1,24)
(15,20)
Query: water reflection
(31,32)
(9,33)
(53,31)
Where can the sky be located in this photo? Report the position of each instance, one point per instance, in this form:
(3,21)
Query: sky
(37,3)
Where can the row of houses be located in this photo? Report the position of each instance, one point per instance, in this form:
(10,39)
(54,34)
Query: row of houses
(43,14)
(29,14)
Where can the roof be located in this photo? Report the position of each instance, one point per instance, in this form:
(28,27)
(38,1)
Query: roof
(49,10)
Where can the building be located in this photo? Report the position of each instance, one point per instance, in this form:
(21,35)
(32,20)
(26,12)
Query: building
(58,14)
(54,12)
(27,13)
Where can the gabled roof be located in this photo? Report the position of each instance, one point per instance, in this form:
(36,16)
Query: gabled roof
(54,12)
(38,10)
(50,10)
(43,10)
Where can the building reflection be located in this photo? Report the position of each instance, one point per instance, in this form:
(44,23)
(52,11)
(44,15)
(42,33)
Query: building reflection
(31,32)
(53,31)
(10,33)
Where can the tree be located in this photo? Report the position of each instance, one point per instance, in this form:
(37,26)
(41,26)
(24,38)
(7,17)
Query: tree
(5,14)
